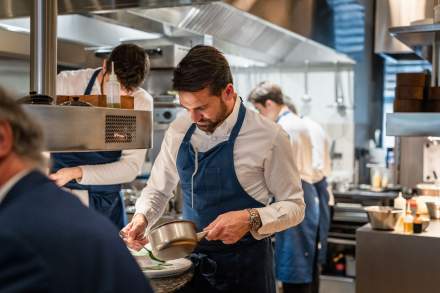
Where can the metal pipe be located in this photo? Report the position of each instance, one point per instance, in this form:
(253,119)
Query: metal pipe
(43,53)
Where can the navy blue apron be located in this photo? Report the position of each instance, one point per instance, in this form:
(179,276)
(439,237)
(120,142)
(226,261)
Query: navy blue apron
(104,198)
(246,266)
(295,248)
(324,218)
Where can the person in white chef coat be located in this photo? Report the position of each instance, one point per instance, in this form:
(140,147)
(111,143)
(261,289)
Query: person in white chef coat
(96,177)
(321,171)
(232,163)
(296,249)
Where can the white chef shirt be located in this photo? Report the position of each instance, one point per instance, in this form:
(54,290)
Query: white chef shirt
(263,162)
(301,140)
(129,165)
(11,183)
(321,150)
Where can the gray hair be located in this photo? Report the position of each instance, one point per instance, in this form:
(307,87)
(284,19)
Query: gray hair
(27,134)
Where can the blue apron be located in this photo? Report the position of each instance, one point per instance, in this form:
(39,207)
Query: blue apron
(295,248)
(324,218)
(106,199)
(246,266)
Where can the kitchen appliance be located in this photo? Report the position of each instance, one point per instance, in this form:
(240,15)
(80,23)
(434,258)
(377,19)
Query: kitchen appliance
(433,209)
(166,108)
(175,239)
(347,215)
(92,128)
(383,218)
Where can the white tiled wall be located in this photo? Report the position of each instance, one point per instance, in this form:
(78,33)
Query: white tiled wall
(340,128)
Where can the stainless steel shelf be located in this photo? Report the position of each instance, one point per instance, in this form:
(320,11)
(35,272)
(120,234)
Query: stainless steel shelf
(341,241)
(416,35)
(413,124)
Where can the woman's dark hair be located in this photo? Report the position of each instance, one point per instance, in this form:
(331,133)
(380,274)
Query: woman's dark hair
(266,91)
(131,65)
(203,66)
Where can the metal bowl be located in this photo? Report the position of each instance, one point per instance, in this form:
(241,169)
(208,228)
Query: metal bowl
(433,209)
(383,218)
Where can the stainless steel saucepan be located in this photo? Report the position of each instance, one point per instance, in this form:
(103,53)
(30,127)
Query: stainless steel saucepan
(174,239)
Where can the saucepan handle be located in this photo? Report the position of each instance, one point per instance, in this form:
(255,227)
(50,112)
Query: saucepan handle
(201,235)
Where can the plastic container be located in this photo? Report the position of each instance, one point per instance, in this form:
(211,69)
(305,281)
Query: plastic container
(113,90)
(400,202)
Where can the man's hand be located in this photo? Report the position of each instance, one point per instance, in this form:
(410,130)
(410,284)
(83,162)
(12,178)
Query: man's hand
(63,176)
(134,233)
(229,227)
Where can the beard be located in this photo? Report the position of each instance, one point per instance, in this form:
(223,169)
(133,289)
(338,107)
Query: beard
(209,125)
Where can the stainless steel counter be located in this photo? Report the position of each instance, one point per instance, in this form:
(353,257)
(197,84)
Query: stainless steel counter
(396,262)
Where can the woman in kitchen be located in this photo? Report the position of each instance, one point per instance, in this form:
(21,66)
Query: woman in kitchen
(96,177)
(231,163)
(296,249)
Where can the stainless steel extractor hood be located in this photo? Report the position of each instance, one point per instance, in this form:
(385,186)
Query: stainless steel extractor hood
(238,32)
(14,8)
(398,13)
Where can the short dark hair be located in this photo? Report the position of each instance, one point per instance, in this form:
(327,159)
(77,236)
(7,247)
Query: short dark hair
(27,133)
(131,65)
(266,91)
(203,66)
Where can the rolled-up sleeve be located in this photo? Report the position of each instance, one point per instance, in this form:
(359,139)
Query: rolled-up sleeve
(161,184)
(284,183)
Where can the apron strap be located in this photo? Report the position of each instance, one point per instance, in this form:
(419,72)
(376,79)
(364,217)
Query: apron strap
(282,115)
(92,80)
(238,124)
(189,133)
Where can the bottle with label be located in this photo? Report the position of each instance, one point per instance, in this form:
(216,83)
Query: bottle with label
(400,202)
(408,221)
(113,90)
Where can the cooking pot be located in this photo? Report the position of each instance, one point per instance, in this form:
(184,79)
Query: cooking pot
(433,209)
(174,239)
(383,218)
(428,189)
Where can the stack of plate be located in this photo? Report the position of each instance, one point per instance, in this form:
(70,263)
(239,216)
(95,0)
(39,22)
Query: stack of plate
(155,269)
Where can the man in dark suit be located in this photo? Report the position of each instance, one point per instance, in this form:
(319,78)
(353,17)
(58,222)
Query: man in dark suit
(50,242)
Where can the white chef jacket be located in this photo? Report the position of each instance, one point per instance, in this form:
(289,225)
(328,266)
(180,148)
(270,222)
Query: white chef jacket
(129,165)
(321,150)
(264,166)
(301,141)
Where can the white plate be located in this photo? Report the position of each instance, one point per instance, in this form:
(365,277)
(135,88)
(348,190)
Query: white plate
(177,267)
